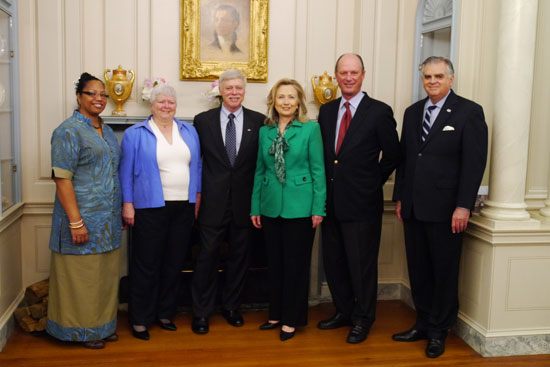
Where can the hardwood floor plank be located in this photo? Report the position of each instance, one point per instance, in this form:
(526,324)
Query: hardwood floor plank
(227,346)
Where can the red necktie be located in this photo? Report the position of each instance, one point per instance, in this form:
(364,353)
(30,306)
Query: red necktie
(344,124)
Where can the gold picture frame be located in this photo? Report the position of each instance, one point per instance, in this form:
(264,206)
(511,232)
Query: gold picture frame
(205,55)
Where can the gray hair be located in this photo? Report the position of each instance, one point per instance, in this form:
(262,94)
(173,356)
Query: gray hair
(231,74)
(163,90)
(437,60)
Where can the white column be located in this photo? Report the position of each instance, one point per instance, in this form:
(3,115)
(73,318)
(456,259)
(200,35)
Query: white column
(545,212)
(510,139)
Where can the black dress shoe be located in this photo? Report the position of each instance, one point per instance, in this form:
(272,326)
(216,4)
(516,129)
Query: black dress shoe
(269,325)
(357,334)
(410,335)
(170,326)
(233,317)
(143,335)
(199,325)
(285,335)
(336,321)
(435,347)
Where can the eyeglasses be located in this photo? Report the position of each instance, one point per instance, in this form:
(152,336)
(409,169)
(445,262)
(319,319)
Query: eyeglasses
(94,94)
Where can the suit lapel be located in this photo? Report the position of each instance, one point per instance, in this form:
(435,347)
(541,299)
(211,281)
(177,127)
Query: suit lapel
(420,119)
(248,130)
(442,117)
(292,130)
(359,117)
(216,131)
(332,117)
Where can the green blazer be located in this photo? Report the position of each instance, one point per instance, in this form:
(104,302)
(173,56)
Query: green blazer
(303,194)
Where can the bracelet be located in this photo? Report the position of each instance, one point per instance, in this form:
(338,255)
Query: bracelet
(76,223)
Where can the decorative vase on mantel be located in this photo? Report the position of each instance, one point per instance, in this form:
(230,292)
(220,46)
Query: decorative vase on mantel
(119,87)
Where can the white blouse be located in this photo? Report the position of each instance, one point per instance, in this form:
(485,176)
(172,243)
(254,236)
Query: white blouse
(173,161)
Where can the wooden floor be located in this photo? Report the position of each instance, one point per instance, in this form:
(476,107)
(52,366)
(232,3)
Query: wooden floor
(248,346)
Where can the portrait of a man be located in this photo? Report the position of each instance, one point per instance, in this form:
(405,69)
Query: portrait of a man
(225,30)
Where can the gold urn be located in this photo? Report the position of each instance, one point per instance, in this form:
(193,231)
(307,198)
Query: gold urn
(119,87)
(324,88)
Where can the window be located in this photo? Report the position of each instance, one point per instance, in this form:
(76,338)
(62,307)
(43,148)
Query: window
(9,146)
(434,24)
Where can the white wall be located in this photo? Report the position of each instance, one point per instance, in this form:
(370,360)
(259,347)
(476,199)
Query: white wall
(59,39)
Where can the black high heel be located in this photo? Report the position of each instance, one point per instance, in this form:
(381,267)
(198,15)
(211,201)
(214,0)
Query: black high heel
(269,325)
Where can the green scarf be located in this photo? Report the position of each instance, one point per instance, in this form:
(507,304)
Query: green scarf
(278,149)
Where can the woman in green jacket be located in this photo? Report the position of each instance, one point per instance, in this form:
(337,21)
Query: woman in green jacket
(288,202)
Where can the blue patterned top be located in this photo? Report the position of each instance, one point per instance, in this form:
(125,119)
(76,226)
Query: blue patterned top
(91,162)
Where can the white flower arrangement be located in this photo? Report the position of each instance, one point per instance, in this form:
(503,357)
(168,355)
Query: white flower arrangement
(148,85)
(213,94)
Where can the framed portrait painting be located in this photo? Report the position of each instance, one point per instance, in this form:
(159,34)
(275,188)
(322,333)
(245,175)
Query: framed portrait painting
(217,35)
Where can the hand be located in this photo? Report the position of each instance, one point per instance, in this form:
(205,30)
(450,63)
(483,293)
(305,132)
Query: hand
(128,214)
(79,235)
(459,221)
(398,210)
(197,205)
(316,220)
(256,221)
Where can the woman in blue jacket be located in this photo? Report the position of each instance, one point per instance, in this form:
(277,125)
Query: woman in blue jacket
(160,174)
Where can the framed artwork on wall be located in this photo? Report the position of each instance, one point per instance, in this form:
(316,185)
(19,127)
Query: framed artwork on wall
(216,35)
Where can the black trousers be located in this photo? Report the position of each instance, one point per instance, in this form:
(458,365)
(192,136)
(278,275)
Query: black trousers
(288,246)
(160,241)
(350,257)
(433,258)
(205,275)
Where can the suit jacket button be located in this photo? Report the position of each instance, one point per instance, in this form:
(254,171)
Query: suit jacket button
(336,161)
(303,179)
(420,154)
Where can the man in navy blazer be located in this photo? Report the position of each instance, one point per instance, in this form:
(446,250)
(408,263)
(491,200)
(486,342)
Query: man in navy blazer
(444,148)
(358,161)
(224,210)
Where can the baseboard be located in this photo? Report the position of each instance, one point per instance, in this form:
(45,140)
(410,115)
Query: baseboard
(7,323)
(501,346)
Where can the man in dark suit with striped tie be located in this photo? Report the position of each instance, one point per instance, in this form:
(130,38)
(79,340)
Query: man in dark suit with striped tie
(229,145)
(361,150)
(444,149)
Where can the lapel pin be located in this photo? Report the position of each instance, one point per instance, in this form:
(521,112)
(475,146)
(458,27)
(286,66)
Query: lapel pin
(448,110)
(248,129)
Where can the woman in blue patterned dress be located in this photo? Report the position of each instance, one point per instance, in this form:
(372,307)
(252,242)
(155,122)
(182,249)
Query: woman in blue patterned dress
(86,224)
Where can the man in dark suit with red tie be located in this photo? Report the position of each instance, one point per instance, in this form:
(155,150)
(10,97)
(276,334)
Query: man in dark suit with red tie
(444,148)
(361,151)
(229,144)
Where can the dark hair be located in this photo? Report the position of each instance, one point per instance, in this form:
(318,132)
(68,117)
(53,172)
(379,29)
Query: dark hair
(83,81)
(356,55)
(231,10)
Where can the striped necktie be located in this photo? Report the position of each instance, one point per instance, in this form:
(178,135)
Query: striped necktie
(426,126)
